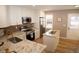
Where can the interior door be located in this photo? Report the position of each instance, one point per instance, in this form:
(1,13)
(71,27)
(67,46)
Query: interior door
(73,26)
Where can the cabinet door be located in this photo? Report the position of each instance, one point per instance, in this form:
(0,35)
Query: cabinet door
(51,42)
(3,16)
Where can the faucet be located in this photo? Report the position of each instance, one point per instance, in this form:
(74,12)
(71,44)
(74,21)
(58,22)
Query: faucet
(1,43)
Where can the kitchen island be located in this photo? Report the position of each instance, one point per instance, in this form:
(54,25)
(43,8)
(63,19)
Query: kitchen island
(51,39)
(24,46)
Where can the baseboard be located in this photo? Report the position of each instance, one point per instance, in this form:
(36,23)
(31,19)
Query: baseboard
(67,38)
(63,37)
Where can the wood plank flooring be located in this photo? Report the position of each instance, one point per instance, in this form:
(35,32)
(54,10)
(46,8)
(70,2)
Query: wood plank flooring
(65,45)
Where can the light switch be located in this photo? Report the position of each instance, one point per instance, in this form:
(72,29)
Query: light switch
(59,19)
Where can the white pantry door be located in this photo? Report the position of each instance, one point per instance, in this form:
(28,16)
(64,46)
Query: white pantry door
(73,26)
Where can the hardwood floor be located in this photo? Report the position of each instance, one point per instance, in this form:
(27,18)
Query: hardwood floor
(65,45)
(39,40)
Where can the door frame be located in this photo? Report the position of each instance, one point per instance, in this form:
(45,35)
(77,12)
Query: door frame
(68,23)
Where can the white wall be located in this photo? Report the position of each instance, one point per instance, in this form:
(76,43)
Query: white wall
(37,27)
(42,14)
(16,12)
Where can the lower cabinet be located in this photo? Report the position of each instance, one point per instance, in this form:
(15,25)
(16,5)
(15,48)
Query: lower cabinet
(51,42)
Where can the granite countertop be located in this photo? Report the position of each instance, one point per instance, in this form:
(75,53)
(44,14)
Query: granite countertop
(25,46)
(56,34)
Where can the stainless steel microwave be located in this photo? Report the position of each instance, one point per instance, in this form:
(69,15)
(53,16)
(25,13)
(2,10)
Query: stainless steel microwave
(26,20)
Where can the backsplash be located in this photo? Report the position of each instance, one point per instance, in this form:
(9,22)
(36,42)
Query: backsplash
(10,29)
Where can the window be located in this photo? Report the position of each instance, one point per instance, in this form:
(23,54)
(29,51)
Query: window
(49,21)
(74,22)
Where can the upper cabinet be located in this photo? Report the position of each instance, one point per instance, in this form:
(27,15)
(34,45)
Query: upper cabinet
(3,16)
(12,15)
(17,12)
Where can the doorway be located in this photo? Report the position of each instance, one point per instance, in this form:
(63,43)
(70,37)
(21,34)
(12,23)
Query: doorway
(46,23)
(49,22)
(42,25)
(73,26)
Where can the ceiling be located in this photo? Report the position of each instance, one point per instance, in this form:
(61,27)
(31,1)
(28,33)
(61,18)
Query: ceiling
(50,7)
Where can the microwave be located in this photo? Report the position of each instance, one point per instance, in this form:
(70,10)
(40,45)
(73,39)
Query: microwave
(26,20)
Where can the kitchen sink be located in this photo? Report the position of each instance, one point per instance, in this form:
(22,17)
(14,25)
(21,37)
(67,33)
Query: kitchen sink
(15,39)
(52,32)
